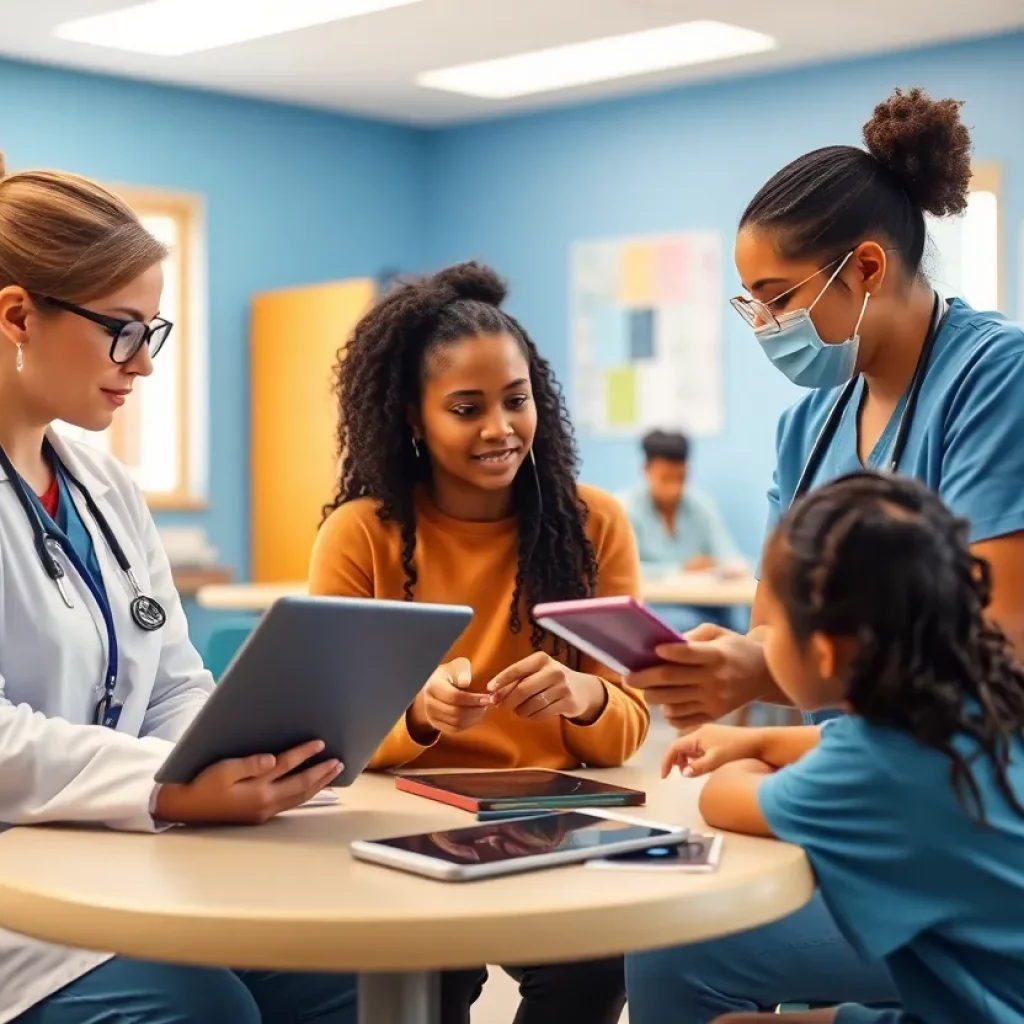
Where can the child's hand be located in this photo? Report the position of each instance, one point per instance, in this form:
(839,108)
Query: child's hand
(709,747)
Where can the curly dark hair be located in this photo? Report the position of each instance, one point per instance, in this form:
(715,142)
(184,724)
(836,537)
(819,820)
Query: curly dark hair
(378,378)
(880,558)
(917,160)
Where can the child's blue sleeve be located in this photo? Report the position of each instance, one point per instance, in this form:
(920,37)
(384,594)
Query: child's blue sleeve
(842,804)
(851,1013)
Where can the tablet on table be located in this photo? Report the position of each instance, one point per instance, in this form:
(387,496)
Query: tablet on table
(517,789)
(510,847)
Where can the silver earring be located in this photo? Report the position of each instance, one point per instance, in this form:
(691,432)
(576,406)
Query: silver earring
(533,458)
(19,360)
(416,446)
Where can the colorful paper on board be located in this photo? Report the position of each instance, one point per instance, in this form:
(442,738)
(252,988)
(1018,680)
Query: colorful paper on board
(591,398)
(646,329)
(671,269)
(641,334)
(622,396)
(595,269)
(638,274)
(610,337)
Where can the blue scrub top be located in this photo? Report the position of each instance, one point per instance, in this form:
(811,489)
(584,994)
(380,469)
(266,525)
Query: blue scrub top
(69,522)
(699,530)
(966,439)
(909,877)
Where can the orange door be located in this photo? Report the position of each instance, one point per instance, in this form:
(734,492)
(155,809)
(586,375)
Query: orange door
(294,341)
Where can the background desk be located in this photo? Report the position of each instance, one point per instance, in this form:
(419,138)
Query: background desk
(701,589)
(189,581)
(287,896)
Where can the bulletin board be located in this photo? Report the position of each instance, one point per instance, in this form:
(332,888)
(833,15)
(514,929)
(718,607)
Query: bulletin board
(647,334)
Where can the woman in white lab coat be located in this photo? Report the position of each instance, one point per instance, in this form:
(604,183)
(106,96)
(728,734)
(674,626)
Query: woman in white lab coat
(97,674)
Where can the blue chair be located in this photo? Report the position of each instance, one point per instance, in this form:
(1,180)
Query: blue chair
(222,645)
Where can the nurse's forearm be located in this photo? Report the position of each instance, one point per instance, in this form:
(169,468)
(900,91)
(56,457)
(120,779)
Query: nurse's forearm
(764,689)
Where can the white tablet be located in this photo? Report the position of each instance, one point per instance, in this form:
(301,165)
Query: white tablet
(516,845)
(341,670)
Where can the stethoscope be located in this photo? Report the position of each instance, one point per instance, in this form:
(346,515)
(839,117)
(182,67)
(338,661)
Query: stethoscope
(828,431)
(146,612)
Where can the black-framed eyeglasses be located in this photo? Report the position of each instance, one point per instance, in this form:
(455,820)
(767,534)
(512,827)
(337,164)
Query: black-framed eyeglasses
(129,335)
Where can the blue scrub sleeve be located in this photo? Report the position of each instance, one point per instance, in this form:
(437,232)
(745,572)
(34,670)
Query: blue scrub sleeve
(839,802)
(982,475)
(774,515)
(852,1013)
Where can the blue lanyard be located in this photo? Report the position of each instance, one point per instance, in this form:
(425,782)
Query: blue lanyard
(108,712)
(940,311)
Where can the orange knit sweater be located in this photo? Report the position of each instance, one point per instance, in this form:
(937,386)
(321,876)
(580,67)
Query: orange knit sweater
(475,564)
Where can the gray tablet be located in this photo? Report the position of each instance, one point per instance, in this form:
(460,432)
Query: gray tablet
(341,670)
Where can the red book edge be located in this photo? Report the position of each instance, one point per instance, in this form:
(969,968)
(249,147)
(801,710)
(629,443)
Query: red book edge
(409,784)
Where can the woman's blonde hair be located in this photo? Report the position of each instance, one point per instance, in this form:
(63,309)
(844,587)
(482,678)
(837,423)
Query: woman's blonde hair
(65,237)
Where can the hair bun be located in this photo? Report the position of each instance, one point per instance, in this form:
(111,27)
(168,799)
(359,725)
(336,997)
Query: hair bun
(471,281)
(923,143)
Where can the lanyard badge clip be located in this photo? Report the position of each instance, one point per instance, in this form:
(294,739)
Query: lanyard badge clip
(108,711)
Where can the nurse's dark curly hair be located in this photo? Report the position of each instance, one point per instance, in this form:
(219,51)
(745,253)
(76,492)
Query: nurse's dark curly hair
(916,160)
(881,559)
(377,380)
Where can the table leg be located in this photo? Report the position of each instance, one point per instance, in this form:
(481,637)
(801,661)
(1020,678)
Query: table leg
(411,998)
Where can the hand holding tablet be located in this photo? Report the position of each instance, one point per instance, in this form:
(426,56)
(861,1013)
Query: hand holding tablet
(303,674)
(618,631)
(247,790)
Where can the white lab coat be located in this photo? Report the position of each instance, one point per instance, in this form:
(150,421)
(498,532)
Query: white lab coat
(55,765)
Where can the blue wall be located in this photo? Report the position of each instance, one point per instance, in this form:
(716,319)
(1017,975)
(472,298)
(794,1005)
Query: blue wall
(518,192)
(295,196)
(292,197)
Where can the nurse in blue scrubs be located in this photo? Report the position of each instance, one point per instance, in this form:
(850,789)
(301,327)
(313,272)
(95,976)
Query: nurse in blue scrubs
(899,378)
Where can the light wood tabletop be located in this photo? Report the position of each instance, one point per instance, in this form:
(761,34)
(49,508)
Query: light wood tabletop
(695,588)
(287,895)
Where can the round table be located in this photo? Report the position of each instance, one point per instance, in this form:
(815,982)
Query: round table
(288,896)
(701,589)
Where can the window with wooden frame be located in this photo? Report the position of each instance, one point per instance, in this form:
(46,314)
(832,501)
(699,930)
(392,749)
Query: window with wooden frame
(156,434)
(965,253)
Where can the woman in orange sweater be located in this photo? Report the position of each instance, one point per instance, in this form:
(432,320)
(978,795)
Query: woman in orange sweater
(458,487)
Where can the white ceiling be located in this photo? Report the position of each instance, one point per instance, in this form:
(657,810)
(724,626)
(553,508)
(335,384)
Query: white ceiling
(367,65)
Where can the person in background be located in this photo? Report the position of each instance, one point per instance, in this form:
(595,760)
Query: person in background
(97,683)
(677,529)
(911,806)
(831,251)
(458,486)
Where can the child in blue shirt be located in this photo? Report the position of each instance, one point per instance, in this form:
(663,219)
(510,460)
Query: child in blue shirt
(911,806)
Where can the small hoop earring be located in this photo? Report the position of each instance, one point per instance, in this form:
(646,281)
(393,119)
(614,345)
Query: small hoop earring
(19,360)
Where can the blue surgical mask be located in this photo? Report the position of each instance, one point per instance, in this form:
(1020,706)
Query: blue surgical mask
(792,343)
